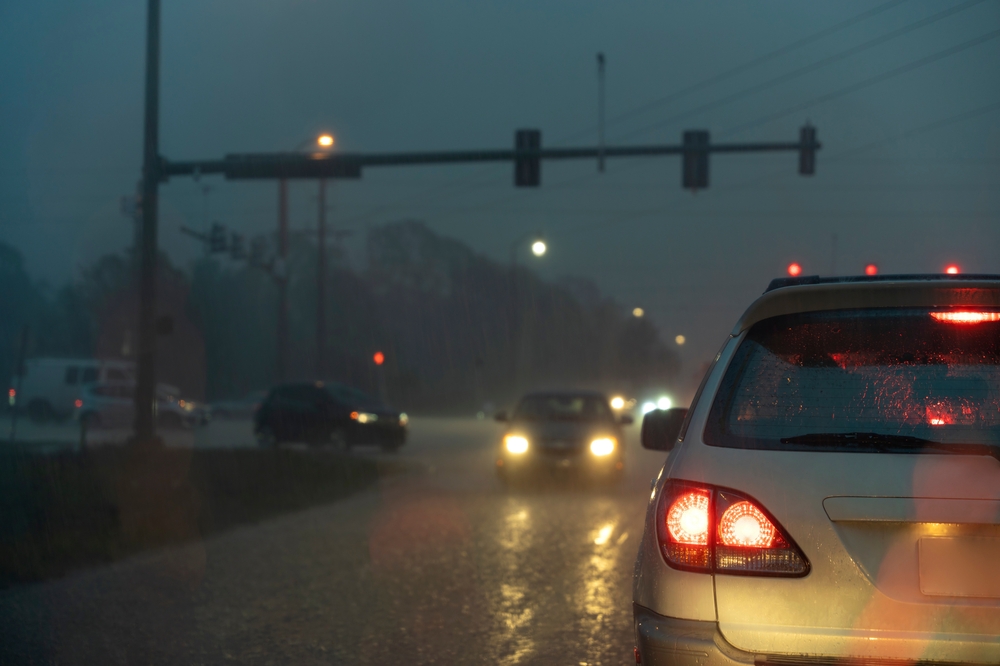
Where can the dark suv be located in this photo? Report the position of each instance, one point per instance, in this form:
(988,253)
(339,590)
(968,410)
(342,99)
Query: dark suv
(327,413)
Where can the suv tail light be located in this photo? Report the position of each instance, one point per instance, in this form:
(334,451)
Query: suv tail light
(716,530)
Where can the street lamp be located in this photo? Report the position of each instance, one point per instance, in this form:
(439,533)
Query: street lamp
(538,248)
(323,141)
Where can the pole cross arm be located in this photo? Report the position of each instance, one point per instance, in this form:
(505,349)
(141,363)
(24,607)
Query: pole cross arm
(349,165)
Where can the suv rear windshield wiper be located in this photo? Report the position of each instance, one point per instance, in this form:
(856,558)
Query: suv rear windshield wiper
(886,442)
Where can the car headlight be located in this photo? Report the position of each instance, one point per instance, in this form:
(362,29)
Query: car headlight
(603,446)
(364,417)
(515,443)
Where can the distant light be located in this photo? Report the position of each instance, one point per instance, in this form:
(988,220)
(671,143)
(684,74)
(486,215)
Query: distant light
(78,403)
(871,269)
(952,269)
(794,269)
(617,402)
(325,140)
(538,248)
(664,403)
(648,407)
(379,358)
(680,339)
(638,312)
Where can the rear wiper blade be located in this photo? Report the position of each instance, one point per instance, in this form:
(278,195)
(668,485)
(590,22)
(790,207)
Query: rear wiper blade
(886,441)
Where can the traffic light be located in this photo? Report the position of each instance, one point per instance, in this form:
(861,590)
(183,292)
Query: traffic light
(217,239)
(527,170)
(236,249)
(695,169)
(807,150)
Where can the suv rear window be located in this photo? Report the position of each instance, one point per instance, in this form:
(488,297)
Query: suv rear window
(862,380)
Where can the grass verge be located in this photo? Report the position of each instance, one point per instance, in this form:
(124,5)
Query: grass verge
(66,511)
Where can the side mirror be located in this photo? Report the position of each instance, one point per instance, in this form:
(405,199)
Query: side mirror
(500,416)
(660,428)
(626,419)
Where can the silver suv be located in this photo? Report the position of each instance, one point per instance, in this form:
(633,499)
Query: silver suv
(833,495)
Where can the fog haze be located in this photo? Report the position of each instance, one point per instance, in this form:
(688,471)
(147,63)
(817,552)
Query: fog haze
(891,187)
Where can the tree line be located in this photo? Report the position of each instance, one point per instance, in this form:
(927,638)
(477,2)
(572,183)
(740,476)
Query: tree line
(457,329)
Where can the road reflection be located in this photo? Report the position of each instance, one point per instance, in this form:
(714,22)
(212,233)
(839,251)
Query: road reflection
(597,595)
(512,639)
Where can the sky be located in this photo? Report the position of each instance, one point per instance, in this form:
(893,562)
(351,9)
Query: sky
(904,95)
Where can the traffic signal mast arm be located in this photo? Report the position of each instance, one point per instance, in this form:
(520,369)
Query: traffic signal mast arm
(349,165)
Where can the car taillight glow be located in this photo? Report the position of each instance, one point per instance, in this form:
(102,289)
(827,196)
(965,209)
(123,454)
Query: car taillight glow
(743,524)
(687,519)
(714,530)
(963,317)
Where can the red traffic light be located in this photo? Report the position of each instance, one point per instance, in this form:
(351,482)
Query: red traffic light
(952,269)
(871,269)
(794,269)
(379,358)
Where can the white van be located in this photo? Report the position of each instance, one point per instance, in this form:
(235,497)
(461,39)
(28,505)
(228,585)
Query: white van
(50,387)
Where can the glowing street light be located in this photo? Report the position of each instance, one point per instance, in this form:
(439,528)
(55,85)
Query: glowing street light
(680,340)
(325,140)
(638,312)
(538,248)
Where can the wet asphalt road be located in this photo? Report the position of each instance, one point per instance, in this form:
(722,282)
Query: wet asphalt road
(440,565)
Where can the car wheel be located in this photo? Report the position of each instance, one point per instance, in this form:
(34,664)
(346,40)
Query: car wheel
(40,411)
(267,439)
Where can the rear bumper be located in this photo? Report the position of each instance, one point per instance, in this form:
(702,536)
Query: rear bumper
(675,642)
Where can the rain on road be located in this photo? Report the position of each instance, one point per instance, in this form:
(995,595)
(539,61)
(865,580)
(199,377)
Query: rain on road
(438,565)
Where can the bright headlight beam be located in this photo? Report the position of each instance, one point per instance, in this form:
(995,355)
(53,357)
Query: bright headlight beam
(664,403)
(647,407)
(515,444)
(602,446)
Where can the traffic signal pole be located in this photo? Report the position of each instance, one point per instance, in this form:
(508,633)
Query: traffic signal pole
(321,282)
(145,390)
(281,273)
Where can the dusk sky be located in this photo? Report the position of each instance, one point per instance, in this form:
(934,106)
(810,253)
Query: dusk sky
(906,102)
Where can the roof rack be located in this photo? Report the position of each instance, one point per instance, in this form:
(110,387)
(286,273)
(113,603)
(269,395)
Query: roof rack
(780,283)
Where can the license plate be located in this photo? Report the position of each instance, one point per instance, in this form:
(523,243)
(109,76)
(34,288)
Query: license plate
(960,566)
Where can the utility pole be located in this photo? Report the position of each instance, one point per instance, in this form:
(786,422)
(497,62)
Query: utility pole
(600,112)
(281,273)
(321,282)
(145,393)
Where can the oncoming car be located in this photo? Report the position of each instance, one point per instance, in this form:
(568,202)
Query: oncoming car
(327,413)
(573,431)
(833,495)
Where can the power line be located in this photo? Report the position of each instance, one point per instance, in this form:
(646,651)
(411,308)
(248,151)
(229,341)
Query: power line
(879,78)
(795,73)
(729,73)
